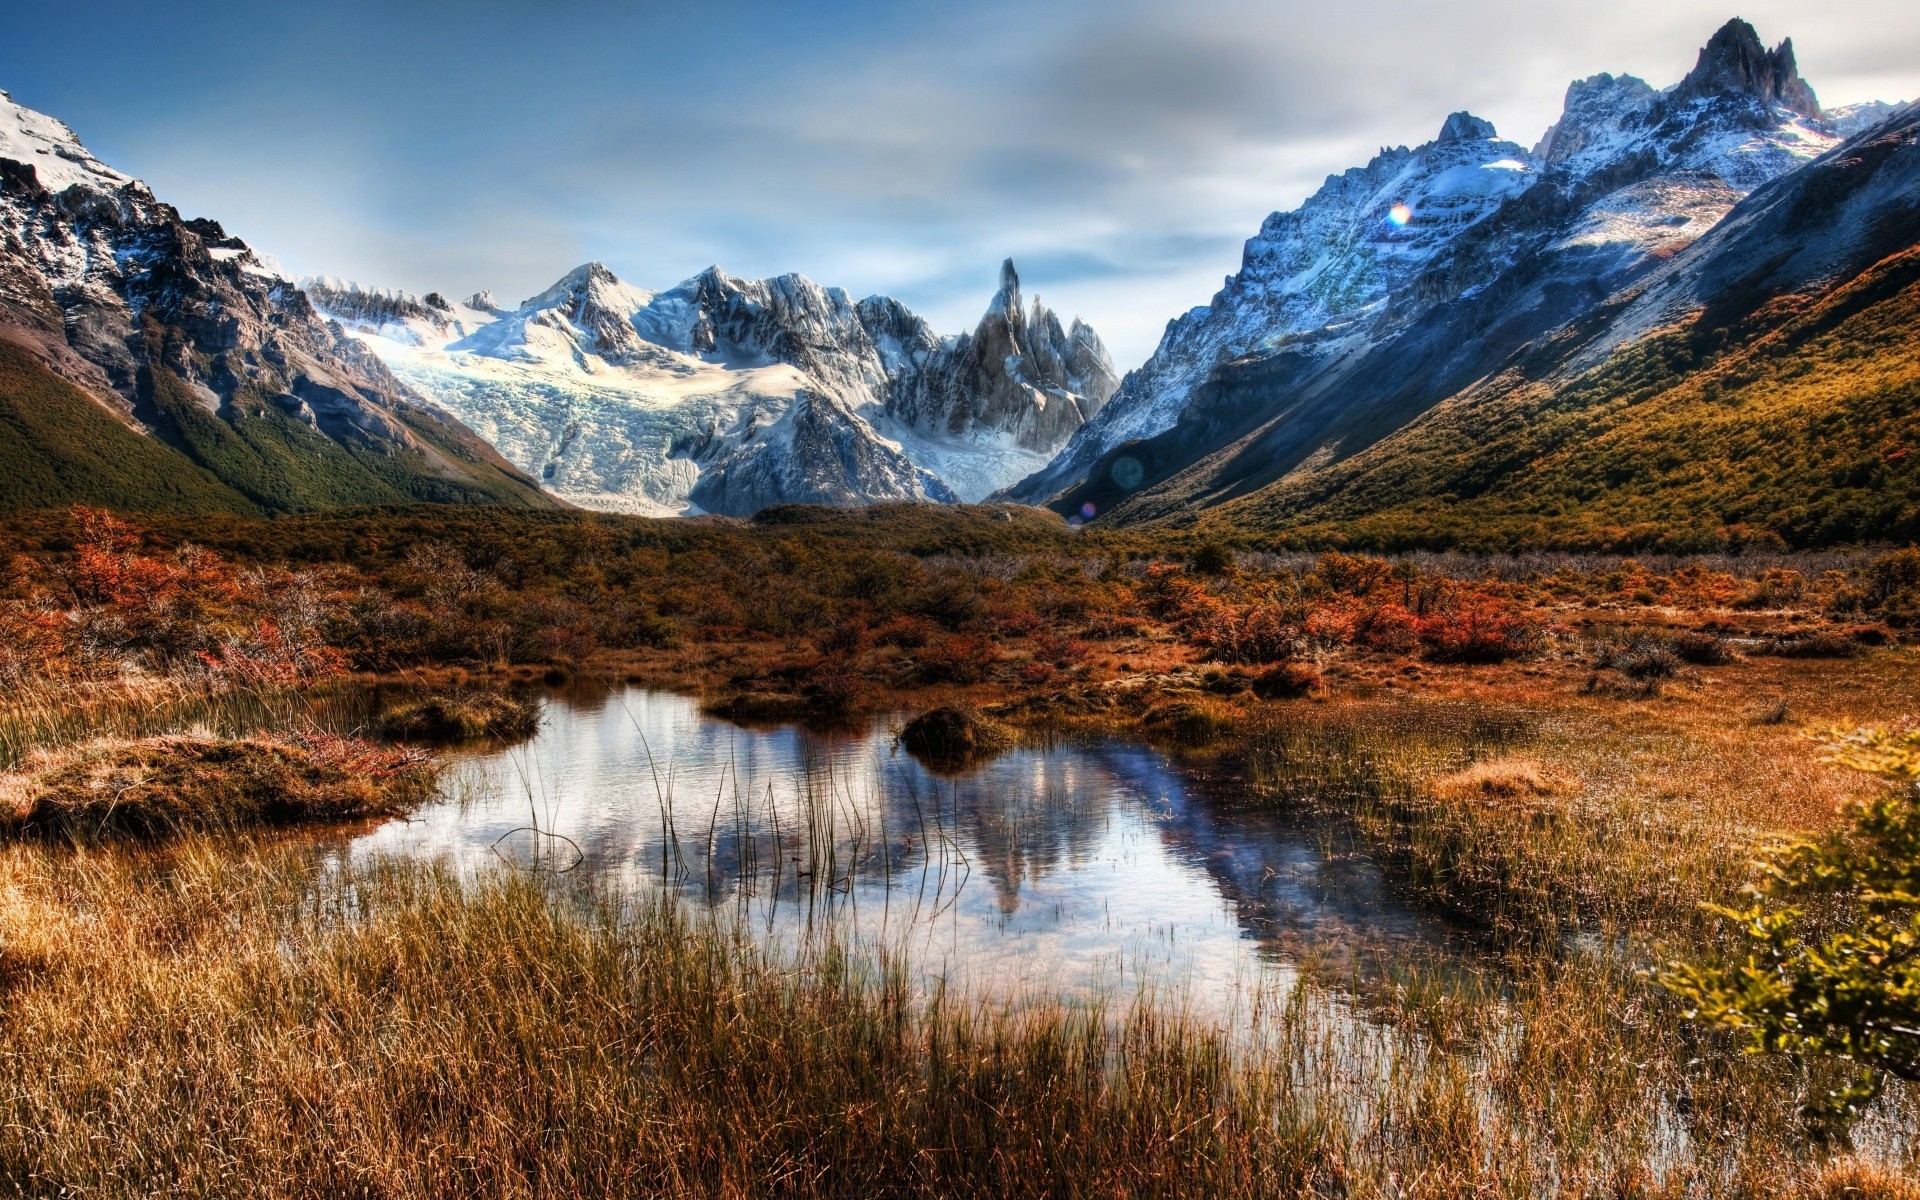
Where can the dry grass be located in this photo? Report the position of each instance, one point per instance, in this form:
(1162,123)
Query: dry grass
(160,787)
(461,716)
(1498,779)
(218,1023)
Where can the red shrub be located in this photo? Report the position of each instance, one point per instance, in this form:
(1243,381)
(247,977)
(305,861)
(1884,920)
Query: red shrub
(1253,634)
(848,638)
(1389,627)
(909,633)
(1479,629)
(958,659)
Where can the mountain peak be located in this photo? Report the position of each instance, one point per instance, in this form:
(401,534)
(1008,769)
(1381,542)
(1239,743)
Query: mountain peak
(1735,61)
(1465,127)
(1006,301)
(52,149)
(591,283)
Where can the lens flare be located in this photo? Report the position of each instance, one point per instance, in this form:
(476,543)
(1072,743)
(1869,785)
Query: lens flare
(1087,510)
(1400,214)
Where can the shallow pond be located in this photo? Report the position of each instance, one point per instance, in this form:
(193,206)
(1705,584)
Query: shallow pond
(1069,868)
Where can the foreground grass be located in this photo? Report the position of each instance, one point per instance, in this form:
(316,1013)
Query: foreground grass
(206,1023)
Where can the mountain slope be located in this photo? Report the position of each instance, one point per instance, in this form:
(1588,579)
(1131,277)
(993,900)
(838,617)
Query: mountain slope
(183,336)
(1628,178)
(729,395)
(60,446)
(1319,271)
(1764,386)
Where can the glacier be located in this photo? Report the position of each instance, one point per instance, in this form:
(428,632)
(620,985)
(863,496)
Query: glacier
(726,395)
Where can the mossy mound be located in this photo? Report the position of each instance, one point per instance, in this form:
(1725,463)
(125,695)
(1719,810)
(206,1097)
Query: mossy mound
(461,717)
(952,737)
(155,788)
(761,706)
(1186,722)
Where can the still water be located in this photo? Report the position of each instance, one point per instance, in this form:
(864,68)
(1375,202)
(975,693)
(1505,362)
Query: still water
(1071,868)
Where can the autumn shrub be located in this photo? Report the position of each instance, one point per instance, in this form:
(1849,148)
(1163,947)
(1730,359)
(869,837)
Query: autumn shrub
(1286,681)
(1703,649)
(1251,634)
(1213,558)
(1777,587)
(906,632)
(1480,629)
(1062,650)
(957,658)
(849,637)
(1644,656)
(1819,643)
(1021,622)
(832,685)
(1387,627)
(1892,588)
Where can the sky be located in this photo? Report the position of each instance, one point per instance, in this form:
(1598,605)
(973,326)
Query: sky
(1121,152)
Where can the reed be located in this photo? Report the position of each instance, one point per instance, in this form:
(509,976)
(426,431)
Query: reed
(224,1020)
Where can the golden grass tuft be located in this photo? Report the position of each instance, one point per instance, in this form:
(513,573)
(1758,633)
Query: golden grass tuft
(1500,779)
(151,788)
(461,717)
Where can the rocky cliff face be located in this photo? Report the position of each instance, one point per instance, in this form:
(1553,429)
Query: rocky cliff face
(199,342)
(727,395)
(1019,375)
(1400,283)
(1314,271)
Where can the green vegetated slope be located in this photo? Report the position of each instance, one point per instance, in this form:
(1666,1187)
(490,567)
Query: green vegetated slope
(58,446)
(283,464)
(1799,422)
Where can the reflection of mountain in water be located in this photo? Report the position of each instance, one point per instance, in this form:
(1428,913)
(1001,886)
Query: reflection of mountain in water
(1071,858)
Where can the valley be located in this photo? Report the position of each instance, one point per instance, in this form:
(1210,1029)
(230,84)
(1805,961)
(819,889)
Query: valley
(1440,725)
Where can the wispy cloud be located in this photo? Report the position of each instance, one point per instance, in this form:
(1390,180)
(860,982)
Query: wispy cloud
(1120,150)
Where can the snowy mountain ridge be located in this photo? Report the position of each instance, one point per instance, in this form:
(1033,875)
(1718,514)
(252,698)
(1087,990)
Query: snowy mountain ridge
(725,395)
(1627,176)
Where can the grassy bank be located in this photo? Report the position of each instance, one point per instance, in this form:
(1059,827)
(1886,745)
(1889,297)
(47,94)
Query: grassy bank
(150,789)
(213,1024)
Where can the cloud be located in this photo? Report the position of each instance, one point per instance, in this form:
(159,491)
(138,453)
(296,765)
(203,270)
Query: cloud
(1120,150)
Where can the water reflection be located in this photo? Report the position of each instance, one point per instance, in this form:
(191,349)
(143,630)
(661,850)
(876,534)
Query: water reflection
(1067,867)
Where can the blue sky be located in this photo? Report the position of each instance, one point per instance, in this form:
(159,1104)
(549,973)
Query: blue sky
(1119,151)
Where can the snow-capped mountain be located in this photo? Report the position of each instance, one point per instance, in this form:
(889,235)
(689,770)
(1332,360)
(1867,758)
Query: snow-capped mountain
(727,395)
(1400,282)
(1757,385)
(189,337)
(1322,267)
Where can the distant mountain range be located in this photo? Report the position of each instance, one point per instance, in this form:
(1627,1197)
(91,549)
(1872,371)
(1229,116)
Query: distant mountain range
(1474,343)
(1685,317)
(727,395)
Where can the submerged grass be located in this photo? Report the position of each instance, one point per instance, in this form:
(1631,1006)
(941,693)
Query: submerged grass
(206,1023)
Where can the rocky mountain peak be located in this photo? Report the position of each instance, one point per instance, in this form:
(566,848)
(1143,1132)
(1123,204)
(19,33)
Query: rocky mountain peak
(1597,109)
(1736,62)
(1465,127)
(482,301)
(1006,301)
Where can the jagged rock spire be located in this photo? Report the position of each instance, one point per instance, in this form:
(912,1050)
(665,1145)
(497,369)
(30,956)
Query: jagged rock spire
(1734,60)
(1465,127)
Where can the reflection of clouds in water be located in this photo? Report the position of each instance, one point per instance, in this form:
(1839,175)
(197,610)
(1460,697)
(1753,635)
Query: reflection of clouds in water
(1069,867)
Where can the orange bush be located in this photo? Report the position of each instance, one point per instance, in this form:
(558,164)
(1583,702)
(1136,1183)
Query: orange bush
(1476,628)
